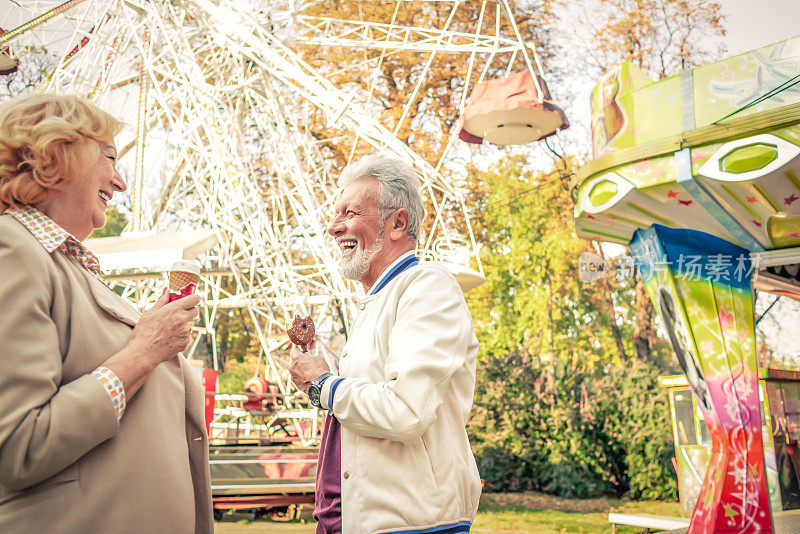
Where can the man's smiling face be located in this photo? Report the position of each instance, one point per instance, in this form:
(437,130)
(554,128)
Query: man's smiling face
(358,227)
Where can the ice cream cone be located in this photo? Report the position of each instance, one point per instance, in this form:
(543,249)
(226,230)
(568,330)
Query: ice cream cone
(180,279)
(183,274)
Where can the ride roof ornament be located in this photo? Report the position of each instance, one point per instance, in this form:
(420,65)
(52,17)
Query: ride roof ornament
(673,162)
(511,111)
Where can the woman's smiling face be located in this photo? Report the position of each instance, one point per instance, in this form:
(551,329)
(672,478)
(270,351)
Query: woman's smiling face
(79,206)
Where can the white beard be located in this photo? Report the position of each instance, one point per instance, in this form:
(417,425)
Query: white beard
(356,265)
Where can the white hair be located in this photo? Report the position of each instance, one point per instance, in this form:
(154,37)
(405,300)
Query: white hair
(398,187)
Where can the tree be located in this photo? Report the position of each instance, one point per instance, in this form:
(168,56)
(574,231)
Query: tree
(36,64)
(390,79)
(116,221)
(553,351)
(662,37)
(532,300)
(631,426)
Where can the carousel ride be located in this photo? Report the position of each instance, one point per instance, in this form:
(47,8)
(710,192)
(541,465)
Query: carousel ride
(239,115)
(699,175)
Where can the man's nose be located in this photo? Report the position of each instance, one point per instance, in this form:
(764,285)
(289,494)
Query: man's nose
(336,227)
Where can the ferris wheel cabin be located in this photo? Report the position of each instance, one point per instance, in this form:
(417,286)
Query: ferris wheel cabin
(511,111)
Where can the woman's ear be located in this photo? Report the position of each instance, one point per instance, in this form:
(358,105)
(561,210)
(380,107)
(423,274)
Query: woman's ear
(58,185)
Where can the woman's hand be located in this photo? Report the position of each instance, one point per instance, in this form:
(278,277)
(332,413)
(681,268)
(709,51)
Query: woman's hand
(164,330)
(161,333)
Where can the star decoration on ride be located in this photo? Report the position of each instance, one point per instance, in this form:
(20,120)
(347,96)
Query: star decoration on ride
(730,513)
(725,319)
(743,333)
(707,346)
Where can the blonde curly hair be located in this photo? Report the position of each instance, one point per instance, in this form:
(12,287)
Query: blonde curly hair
(46,139)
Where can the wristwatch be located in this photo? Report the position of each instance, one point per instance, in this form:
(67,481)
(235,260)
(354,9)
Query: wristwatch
(315,389)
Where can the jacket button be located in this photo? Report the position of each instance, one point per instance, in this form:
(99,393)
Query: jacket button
(361,306)
(346,475)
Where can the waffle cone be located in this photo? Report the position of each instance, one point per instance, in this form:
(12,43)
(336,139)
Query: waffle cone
(180,279)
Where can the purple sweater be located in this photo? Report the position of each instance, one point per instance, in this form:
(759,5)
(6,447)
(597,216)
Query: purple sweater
(328,509)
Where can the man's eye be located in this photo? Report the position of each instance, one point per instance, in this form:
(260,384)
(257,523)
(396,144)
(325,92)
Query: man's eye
(112,158)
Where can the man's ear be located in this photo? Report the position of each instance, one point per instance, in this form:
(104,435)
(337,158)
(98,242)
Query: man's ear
(400,222)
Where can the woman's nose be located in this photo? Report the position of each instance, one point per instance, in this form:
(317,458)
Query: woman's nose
(118,182)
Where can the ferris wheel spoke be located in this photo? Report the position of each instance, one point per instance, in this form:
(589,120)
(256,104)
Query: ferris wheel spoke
(11,35)
(331,32)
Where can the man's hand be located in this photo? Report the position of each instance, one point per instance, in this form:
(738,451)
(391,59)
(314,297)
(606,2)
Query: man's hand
(305,367)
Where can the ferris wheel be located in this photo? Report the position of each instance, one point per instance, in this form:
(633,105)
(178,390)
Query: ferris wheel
(240,114)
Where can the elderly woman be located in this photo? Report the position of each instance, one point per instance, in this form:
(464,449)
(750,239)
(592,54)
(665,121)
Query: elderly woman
(101,419)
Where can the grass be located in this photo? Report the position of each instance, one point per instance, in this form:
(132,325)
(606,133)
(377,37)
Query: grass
(546,514)
(507,513)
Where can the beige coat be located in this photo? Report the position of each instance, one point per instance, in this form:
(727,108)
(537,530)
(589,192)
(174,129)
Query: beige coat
(66,464)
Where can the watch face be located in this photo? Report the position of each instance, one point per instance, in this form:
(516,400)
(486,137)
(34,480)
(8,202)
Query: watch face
(313,396)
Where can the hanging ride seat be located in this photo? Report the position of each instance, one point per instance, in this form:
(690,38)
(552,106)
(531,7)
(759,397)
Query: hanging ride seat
(7,63)
(509,111)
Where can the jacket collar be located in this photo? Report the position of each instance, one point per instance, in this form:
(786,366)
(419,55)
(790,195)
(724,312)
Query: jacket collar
(51,237)
(46,231)
(399,265)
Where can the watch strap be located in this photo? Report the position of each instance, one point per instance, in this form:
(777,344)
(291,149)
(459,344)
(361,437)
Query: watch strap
(321,379)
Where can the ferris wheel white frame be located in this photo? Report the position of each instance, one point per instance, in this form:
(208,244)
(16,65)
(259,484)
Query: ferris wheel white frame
(189,72)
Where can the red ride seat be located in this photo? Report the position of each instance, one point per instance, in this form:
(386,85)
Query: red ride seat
(263,395)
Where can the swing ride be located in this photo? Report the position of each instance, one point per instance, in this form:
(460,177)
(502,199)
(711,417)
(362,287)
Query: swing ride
(698,175)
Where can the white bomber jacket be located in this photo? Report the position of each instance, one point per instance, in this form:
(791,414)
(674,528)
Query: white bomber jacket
(408,373)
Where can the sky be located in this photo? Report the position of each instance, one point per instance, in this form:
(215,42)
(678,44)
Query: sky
(755,23)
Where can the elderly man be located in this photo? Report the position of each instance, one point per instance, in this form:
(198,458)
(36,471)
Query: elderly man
(394,455)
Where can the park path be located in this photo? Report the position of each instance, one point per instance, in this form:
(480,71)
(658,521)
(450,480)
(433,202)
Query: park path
(264,527)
